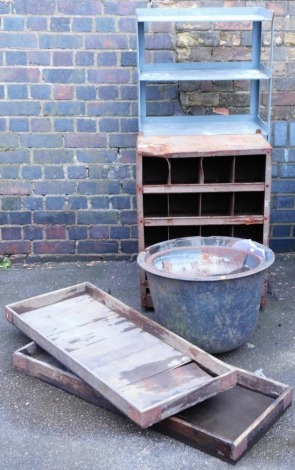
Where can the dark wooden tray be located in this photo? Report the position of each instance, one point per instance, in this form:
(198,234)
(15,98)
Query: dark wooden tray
(225,426)
(146,371)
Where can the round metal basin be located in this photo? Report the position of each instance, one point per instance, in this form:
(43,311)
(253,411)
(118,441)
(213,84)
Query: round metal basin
(207,289)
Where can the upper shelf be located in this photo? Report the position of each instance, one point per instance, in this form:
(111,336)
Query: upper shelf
(203,14)
(203,71)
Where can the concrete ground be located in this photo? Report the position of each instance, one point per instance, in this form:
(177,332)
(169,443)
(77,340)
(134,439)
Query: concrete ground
(43,428)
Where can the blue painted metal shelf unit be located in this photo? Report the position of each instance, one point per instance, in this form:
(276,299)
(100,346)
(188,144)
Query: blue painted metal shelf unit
(253,70)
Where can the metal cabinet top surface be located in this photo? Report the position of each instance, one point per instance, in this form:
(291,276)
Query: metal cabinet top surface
(204,14)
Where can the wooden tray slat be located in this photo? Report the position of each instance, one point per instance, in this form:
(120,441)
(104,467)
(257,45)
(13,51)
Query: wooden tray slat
(226,425)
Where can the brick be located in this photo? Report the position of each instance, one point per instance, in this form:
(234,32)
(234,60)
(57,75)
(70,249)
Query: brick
(3,124)
(55,232)
(164,56)
(85,140)
(129,246)
(128,59)
(23,108)
(9,141)
(280,133)
(11,203)
(283,186)
(40,92)
(40,125)
(63,75)
(78,202)
(100,232)
(16,58)
(99,172)
(34,7)
(63,125)
(15,248)
(134,231)
(105,41)
(284,216)
(55,203)
(33,233)
(38,57)
(77,233)
(160,108)
(17,92)
(124,7)
(33,203)
(19,74)
(105,25)
(129,92)
(63,59)
(64,108)
(11,233)
(37,23)
(85,58)
(100,202)
(61,24)
(19,218)
(108,109)
(109,125)
(97,247)
(284,202)
(96,156)
(63,92)
(53,156)
(108,187)
(53,172)
(54,187)
(127,25)
(128,217)
(58,41)
(292,134)
(108,76)
(108,92)
(129,125)
(13,23)
(159,41)
(4,8)
(129,186)
(281,231)
(123,140)
(287,170)
(104,59)
(19,125)
(86,92)
(127,156)
(54,247)
(97,217)
(15,156)
(68,7)
(54,217)
(31,172)
(120,232)
(86,125)
(82,25)
(9,172)
(77,172)
(18,40)
(120,202)
(41,140)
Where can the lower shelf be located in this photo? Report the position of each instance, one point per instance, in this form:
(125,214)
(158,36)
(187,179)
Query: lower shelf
(198,125)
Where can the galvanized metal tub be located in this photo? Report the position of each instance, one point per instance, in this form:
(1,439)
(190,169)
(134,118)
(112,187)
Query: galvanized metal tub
(207,289)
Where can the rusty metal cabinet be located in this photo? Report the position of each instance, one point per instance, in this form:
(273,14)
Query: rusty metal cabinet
(202,185)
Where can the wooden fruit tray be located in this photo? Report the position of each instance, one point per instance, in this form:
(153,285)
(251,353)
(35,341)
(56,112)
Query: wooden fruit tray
(144,370)
(226,425)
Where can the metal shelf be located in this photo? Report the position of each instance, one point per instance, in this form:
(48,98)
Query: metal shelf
(203,125)
(203,14)
(202,71)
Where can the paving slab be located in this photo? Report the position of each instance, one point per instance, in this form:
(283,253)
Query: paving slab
(43,428)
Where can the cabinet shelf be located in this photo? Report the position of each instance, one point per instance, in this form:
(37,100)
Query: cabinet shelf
(203,220)
(203,71)
(203,188)
(200,125)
